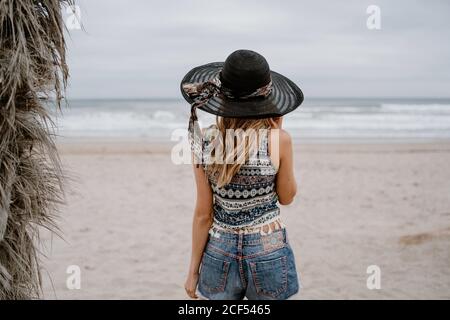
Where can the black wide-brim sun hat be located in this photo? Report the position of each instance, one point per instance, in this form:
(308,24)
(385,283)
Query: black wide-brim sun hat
(242,72)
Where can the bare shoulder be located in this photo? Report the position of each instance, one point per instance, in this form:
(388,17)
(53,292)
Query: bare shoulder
(285,139)
(281,145)
(285,143)
(282,135)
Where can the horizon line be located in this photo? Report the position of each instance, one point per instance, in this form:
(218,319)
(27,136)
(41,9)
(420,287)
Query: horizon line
(313,97)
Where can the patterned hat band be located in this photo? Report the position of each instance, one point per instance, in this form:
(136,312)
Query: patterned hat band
(202,92)
(260,92)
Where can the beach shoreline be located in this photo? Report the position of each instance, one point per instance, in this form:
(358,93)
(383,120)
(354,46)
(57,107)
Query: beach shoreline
(129,209)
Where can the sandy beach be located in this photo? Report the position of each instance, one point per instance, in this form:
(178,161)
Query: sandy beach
(128,218)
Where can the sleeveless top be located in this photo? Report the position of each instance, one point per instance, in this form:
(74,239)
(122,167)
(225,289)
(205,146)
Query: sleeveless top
(249,202)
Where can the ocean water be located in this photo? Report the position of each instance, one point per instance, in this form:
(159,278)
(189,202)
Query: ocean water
(378,119)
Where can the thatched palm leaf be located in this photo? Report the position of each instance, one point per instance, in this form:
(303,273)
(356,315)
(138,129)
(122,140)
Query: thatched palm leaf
(32,69)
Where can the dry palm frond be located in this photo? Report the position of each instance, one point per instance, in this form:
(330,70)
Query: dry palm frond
(33,71)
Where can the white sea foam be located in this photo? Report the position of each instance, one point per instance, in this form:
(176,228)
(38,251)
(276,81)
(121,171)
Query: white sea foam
(418,108)
(322,118)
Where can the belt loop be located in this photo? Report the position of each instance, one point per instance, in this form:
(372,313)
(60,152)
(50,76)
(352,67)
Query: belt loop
(240,240)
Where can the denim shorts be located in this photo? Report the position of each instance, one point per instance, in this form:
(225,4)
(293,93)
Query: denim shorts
(255,266)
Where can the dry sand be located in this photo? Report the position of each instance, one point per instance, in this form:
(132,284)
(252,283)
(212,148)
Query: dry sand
(128,215)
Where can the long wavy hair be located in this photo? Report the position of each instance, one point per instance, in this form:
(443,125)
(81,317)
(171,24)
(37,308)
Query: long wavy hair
(236,139)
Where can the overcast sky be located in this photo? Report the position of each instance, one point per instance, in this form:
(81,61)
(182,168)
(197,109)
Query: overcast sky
(140,49)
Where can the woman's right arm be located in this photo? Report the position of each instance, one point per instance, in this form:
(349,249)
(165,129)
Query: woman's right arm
(201,224)
(285,182)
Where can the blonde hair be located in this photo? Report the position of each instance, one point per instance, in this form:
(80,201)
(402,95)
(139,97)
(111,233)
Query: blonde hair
(228,163)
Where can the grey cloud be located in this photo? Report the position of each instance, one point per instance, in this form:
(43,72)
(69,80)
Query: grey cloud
(143,48)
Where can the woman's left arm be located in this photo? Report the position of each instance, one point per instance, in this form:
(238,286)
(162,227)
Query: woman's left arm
(201,224)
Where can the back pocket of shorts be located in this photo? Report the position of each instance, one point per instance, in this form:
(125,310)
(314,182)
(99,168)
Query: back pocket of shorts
(213,274)
(270,277)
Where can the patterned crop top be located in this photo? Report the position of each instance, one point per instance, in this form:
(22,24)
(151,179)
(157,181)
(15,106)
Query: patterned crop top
(249,203)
